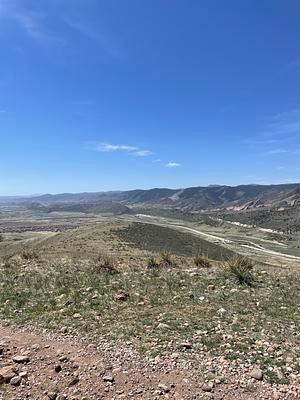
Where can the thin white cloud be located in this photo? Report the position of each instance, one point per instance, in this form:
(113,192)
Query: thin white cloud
(277,151)
(133,151)
(3,111)
(286,123)
(142,153)
(106,147)
(110,147)
(172,164)
(279,135)
(105,41)
(31,21)
(259,142)
(293,64)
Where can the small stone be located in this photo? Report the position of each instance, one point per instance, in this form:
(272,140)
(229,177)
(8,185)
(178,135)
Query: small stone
(23,374)
(61,397)
(7,373)
(52,395)
(76,316)
(57,368)
(16,381)
(208,387)
(161,325)
(220,379)
(122,296)
(257,374)
(108,378)
(163,388)
(20,359)
(63,358)
(186,345)
(74,381)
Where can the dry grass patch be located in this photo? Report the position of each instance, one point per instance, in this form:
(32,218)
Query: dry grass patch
(241,269)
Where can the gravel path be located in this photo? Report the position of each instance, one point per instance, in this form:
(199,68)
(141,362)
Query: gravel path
(37,365)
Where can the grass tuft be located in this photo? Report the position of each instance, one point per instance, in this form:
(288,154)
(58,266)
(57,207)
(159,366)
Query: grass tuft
(105,264)
(202,262)
(241,269)
(29,255)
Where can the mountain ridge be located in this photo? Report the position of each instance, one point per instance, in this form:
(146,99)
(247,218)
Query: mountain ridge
(191,199)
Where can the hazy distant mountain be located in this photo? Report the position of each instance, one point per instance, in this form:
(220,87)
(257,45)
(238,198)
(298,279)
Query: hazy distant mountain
(192,199)
(99,207)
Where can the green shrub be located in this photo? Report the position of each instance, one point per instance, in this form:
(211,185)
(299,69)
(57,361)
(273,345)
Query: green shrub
(240,268)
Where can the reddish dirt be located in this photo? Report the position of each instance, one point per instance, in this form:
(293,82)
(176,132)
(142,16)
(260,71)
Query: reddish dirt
(59,368)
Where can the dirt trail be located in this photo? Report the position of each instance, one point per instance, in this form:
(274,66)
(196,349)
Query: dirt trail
(56,367)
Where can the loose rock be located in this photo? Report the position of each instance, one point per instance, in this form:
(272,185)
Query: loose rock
(257,374)
(20,359)
(16,381)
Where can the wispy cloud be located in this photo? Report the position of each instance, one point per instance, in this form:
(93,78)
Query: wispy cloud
(172,164)
(130,150)
(279,135)
(31,21)
(142,153)
(3,111)
(293,64)
(259,142)
(285,123)
(105,41)
(36,20)
(105,147)
(276,151)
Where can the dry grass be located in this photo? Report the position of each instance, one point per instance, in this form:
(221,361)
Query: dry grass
(241,269)
(202,262)
(187,300)
(29,255)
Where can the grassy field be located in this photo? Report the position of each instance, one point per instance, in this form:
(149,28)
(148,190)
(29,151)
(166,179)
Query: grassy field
(166,240)
(160,309)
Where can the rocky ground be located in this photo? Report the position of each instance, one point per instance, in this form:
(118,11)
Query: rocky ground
(39,365)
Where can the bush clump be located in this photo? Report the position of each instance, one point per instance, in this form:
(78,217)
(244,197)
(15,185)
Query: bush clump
(241,269)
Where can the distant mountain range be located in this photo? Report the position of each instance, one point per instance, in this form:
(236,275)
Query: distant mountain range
(189,199)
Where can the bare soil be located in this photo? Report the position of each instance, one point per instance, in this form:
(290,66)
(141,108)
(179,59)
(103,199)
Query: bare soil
(61,367)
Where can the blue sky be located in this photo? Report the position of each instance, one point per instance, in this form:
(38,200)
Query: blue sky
(103,95)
